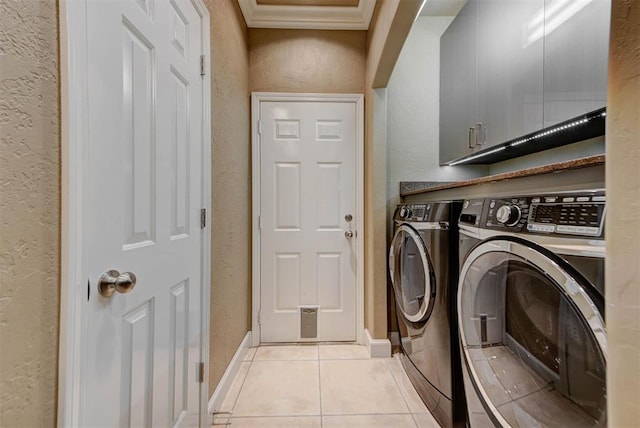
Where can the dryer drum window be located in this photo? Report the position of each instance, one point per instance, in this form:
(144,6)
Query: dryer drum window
(411,275)
(529,344)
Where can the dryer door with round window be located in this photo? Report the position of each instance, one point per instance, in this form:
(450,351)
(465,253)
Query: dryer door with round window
(411,275)
(533,340)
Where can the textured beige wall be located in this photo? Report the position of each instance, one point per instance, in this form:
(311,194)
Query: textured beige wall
(389,28)
(623,216)
(29,212)
(231,186)
(317,61)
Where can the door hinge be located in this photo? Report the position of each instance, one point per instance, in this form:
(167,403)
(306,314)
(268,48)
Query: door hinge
(260,127)
(259,222)
(203,68)
(200,371)
(203,218)
(259,316)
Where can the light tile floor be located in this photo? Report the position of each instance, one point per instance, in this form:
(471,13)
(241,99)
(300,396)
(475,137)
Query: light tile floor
(321,386)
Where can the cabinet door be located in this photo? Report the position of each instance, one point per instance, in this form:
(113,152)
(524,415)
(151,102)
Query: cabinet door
(458,84)
(576,49)
(509,69)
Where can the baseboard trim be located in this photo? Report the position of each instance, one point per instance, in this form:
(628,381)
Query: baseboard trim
(378,348)
(215,402)
(394,337)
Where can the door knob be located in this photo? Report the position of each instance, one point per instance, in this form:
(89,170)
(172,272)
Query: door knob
(112,281)
(348,234)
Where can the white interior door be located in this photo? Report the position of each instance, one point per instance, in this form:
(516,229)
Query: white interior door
(307,188)
(145,193)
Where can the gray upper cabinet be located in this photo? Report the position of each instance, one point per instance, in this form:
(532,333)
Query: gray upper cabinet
(576,48)
(458,84)
(509,93)
(513,67)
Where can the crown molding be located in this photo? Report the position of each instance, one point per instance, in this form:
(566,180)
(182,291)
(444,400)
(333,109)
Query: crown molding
(308,17)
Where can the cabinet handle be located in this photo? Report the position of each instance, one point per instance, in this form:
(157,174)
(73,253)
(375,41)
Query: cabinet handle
(481,134)
(472,139)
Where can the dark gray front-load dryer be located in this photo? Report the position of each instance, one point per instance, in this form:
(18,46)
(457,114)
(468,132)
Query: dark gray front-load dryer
(423,268)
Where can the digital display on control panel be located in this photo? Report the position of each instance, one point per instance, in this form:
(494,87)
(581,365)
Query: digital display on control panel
(571,214)
(418,211)
(579,218)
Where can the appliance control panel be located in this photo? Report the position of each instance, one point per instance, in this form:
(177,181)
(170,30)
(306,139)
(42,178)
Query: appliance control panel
(507,213)
(471,212)
(412,212)
(578,214)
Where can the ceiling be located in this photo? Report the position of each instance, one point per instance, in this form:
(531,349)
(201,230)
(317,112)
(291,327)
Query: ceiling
(442,7)
(327,14)
(352,3)
(308,14)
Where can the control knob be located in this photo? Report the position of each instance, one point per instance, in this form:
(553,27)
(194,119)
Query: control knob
(405,212)
(508,214)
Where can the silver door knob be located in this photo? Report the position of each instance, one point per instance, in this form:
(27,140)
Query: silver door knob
(348,234)
(112,281)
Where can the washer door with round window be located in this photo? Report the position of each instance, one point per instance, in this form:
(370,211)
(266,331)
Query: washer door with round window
(533,340)
(411,275)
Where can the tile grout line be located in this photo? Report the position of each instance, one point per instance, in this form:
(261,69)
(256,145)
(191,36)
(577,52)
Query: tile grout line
(406,403)
(235,402)
(284,359)
(413,417)
(318,360)
(320,387)
(370,414)
(312,415)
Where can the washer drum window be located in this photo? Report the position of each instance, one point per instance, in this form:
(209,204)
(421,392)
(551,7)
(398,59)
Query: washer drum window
(532,338)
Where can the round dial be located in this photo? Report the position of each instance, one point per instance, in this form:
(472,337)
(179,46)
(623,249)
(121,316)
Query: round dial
(508,214)
(405,212)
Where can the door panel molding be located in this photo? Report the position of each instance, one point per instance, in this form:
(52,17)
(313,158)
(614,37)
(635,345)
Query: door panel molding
(327,132)
(74,70)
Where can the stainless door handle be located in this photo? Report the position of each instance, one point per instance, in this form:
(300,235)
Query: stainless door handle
(348,234)
(112,281)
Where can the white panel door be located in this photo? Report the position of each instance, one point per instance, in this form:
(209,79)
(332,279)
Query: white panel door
(308,171)
(145,144)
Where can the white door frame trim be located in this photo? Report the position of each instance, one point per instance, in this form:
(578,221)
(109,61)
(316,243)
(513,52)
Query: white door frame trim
(74,71)
(256,99)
